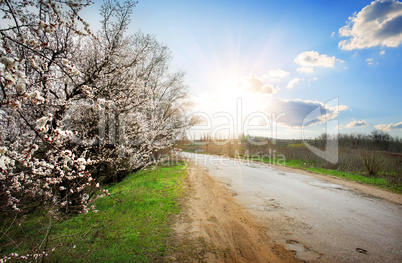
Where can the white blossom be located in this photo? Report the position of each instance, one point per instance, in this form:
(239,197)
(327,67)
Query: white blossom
(8,62)
(40,123)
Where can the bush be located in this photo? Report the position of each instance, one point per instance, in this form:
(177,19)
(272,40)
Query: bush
(372,160)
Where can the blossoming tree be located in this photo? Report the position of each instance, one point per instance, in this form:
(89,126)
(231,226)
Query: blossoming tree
(37,77)
(72,101)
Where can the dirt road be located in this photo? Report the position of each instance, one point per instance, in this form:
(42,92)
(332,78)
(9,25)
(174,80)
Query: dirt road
(321,219)
(214,228)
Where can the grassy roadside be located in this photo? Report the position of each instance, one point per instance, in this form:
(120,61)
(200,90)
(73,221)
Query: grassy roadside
(131,231)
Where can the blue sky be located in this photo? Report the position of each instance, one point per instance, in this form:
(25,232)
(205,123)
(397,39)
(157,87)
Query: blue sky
(285,56)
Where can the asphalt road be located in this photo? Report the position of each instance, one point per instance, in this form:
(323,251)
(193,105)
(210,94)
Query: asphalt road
(322,221)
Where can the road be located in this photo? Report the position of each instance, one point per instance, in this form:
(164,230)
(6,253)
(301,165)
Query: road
(321,220)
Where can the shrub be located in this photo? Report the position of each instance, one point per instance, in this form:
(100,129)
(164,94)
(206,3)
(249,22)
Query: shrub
(372,160)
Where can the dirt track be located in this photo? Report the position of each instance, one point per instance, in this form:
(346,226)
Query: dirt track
(214,228)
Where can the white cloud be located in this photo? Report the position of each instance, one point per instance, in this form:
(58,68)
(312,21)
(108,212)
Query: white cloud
(297,110)
(382,52)
(389,127)
(256,85)
(297,81)
(370,61)
(293,82)
(276,74)
(354,124)
(306,69)
(332,35)
(379,23)
(312,59)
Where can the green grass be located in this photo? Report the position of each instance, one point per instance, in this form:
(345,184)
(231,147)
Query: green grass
(134,230)
(353,177)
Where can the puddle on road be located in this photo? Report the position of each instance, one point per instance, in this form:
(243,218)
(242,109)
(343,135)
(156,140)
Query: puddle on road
(269,206)
(302,252)
(327,185)
(256,207)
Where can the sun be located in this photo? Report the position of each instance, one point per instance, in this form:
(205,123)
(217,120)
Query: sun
(227,81)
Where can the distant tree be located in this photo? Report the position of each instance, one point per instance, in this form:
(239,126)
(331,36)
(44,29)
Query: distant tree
(381,140)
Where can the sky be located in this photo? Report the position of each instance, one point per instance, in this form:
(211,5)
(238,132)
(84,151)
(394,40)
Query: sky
(284,69)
